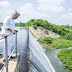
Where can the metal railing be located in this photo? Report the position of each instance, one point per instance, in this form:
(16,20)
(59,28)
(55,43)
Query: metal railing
(6,51)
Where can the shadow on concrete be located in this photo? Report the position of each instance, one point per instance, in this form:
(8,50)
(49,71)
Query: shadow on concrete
(1,65)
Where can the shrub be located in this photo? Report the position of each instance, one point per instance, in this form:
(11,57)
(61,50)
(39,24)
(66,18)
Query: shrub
(46,40)
(65,56)
(34,26)
(61,30)
(68,36)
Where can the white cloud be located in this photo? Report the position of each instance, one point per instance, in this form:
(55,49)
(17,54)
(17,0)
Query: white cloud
(64,19)
(51,5)
(28,12)
(49,8)
(51,2)
(70,14)
(4,3)
(70,10)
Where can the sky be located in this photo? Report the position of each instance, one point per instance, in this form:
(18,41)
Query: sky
(58,12)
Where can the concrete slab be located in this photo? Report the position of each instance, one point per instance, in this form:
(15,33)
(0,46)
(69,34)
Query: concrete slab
(13,65)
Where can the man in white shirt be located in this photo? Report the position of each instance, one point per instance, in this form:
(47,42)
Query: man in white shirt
(9,27)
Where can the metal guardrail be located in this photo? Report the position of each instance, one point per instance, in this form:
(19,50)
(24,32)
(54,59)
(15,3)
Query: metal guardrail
(6,51)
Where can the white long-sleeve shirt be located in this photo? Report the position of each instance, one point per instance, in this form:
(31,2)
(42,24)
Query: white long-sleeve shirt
(8,23)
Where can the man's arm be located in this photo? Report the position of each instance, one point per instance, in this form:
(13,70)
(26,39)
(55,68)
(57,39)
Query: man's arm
(16,30)
(11,30)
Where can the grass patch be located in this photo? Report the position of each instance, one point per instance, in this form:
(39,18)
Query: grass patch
(46,40)
(60,43)
(55,43)
(65,56)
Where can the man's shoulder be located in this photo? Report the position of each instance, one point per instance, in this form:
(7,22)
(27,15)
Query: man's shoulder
(8,17)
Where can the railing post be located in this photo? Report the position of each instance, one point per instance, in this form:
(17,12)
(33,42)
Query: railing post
(6,52)
(16,42)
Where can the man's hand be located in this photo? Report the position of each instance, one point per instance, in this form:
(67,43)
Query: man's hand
(13,32)
(4,35)
(16,30)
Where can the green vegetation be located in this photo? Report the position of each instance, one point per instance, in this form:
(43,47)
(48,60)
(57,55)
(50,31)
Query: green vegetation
(34,26)
(65,30)
(68,36)
(46,40)
(55,43)
(49,26)
(67,26)
(65,56)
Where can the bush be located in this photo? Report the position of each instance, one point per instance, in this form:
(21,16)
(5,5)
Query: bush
(70,67)
(34,26)
(61,30)
(46,40)
(55,43)
(65,56)
(60,43)
(68,36)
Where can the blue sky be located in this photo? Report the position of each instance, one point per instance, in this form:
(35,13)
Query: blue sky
(55,11)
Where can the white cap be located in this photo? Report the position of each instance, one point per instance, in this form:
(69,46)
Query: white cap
(16,13)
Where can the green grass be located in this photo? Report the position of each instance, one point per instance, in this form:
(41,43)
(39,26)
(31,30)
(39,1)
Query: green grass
(46,40)
(65,56)
(56,43)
